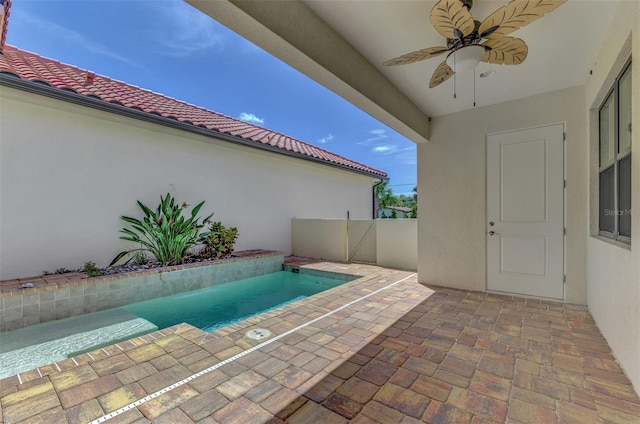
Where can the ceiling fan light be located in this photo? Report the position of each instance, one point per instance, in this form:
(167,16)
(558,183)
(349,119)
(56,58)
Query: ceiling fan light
(466,58)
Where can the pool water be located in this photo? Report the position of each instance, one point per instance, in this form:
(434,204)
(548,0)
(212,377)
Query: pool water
(223,304)
(214,307)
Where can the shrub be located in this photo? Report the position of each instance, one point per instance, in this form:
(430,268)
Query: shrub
(165,232)
(91,269)
(219,242)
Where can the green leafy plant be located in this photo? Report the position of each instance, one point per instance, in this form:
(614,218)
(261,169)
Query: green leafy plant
(165,232)
(91,269)
(219,242)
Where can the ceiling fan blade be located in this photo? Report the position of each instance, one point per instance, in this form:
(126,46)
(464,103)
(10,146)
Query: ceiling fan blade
(442,73)
(449,15)
(416,56)
(515,15)
(505,51)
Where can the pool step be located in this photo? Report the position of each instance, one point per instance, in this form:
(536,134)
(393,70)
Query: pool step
(52,330)
(41,344)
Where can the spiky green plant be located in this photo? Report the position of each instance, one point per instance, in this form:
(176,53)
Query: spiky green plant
(165,232)
(219,241)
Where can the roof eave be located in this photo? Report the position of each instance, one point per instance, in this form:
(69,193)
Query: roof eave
(95,103)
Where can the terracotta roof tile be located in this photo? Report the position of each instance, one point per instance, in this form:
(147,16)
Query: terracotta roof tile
(32,67)
(4,20)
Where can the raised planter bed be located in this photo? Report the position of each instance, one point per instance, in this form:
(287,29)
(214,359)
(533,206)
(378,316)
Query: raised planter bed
(60,296)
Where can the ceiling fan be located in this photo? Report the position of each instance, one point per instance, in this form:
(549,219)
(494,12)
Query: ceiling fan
(470,41)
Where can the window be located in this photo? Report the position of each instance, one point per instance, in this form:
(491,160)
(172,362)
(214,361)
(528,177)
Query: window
(615,160)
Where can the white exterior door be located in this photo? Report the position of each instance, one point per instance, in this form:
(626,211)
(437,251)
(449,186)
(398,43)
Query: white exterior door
(525,212)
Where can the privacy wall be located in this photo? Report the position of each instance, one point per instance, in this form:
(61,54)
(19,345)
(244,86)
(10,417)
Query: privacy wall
(391,243)
(68,172)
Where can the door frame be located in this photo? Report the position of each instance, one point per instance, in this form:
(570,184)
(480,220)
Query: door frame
(564,208)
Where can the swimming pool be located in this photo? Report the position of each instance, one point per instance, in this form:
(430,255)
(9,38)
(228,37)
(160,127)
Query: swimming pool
(208,309)
(223,304)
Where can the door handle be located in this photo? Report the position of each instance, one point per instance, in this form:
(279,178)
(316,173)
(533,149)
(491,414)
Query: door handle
(491,233)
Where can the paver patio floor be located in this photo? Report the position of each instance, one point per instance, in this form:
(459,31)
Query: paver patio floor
(380,349)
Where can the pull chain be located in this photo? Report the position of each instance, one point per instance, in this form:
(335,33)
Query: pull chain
(474,88)
(454,75)
(454,86)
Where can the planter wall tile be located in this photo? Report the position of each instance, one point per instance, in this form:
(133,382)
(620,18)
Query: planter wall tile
(64,298)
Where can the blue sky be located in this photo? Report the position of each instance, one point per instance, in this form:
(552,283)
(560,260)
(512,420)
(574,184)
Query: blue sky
(171,48)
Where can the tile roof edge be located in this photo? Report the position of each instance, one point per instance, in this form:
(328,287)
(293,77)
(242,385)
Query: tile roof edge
(96,103)
(358,166)
(6,5)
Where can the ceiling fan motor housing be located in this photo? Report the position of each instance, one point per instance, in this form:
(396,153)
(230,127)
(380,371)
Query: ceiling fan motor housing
(458,42)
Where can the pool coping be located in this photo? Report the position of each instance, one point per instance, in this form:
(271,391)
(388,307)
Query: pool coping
(190,332)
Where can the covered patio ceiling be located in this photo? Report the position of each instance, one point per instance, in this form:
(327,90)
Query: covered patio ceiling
(343,43)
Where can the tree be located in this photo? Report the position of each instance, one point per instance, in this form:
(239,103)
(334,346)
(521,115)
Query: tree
(384,196)
(404,200)
(414,207)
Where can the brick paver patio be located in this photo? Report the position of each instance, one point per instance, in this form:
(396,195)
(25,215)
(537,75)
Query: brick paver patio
(404,354)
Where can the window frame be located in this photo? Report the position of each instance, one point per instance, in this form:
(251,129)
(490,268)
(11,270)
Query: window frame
(616,158)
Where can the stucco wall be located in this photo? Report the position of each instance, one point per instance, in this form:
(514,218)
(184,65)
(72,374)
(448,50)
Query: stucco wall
(320,238)
(452,188)
(68,172)
(613,272)
(397,243)
(391,243)
(362,240)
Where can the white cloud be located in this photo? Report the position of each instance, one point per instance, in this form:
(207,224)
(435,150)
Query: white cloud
(67,36)
(403,155)
(385,149)
(378,134)
(183,30)
(326,139)
(251,118)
